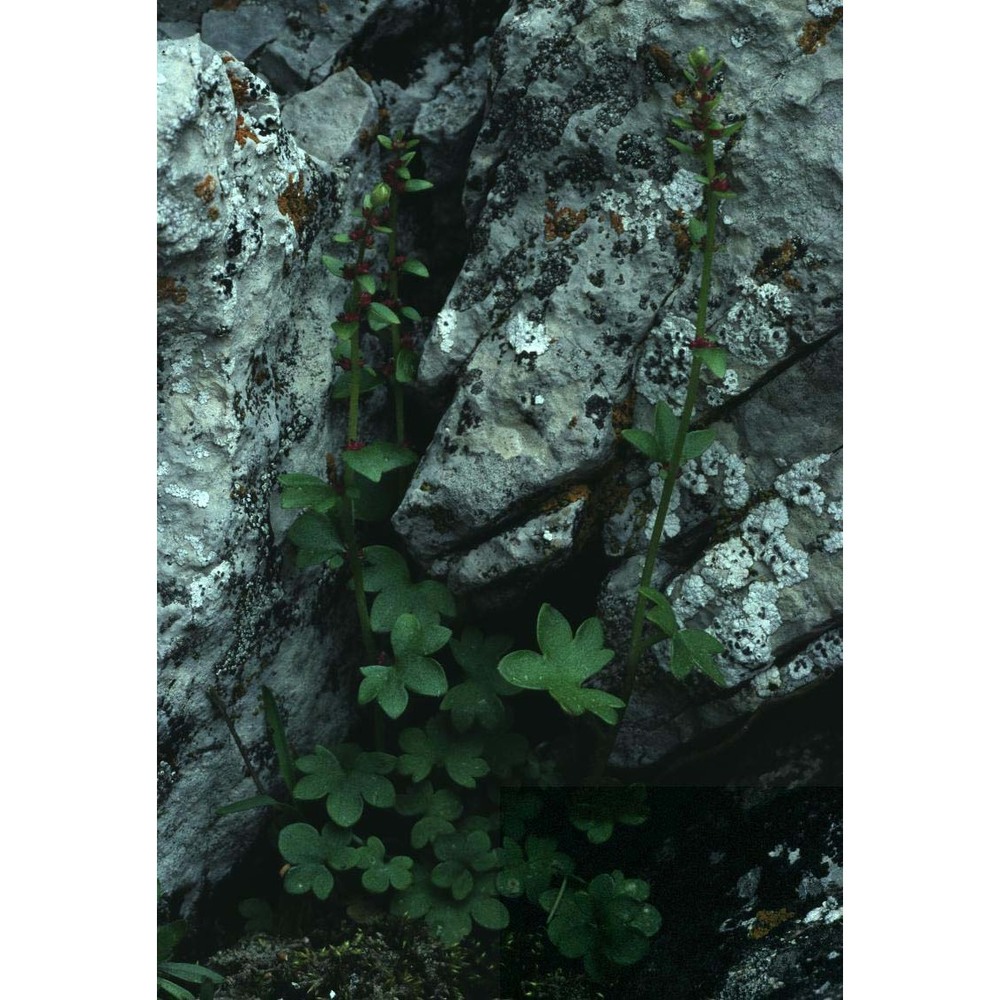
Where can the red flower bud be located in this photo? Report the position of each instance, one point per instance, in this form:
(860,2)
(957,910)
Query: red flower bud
(700,342)
(355,445)
(364,299)
(399,260)
(720,184)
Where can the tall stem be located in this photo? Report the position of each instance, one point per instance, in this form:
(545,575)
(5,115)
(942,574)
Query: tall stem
(397,389)
(635,643)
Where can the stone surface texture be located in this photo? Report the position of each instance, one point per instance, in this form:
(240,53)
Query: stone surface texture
(571,315)
(244,355)
(568,320)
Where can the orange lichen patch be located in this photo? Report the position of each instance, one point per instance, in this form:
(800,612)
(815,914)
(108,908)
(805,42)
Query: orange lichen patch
(294,203)
(241,89)
(622,414)
(244,132)
(662,59)
(814,32)
(562,222)
(213,213)
(225,4)
(776,262)
(768,920)
(682,238)
(616,222)
(581,491)
(206,189)
(680,97)
(167,288)
(791,282)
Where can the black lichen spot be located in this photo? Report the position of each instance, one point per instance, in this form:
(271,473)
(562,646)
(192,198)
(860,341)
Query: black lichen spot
(597,279)
(468,418)
(234,242)
(634,151)
(597,409)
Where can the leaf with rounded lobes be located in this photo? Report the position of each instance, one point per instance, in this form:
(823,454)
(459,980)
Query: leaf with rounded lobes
(317,539)
(333,265)
(477,699)
(427,600)
(299,490)
(375,459)
(415,267)
(410,637)
(532,870)
(489,913)
(385,685)
(378,873)
(417,185)
(595,811)
(383,567)
(644,441)
(565,663)
(696,442)
(713,358)
(434,746)
(348,778)
(694,649)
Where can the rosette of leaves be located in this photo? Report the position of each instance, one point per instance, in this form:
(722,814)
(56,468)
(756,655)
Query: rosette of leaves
(607,924)
(477,698)
(414,668)
(170,974)
(595,811)
(435,746)
(347,778)
(379,872)
(565,662)
(315,533)
(530,871)
(461,856)
(387,575)
(311,854)
(658,444)
(437,811)
(448,918)
(690,648)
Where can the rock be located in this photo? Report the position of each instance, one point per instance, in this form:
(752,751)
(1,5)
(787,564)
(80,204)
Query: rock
(242,30)
(572,314)
(244,348)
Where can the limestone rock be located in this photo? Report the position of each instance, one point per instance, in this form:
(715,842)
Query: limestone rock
(244,369)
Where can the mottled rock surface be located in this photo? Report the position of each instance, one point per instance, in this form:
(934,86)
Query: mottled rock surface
(571,316)
(244,357)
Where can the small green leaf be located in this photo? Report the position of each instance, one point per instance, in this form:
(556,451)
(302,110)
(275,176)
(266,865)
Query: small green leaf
(713,358)
(696,442)
(344,331)
(695,649)
(415,267)
(298,490)
(317,540)
(417,185)
(666,427)
(683,147)
(697,230)
(189,972)
(661,614)
(406,365)
(642,440)
(384,141)
(341,238)
(367,381)
(411,314)
(681,123)
(333,265)
(254,802)
(173,990)
(374,460)
(381,316)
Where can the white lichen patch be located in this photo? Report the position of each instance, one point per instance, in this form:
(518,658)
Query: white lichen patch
(748,624)
(197,497)
(444,329)
(525,336)
(754,327)
(684,193)
(716,395)
(691,596)
(726,567)
(799,484)
(763,530)
(718,461)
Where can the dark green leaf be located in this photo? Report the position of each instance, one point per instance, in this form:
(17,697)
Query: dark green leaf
(333,265)
(278,738)
(374,460)
(411,314)
(317,539)
(366,283)
(695,649)
(713,358)
(254,802)
(382,314)
(406,365)
(298,490)
(695,443)
(367,381)
(642,440)
(666,425)
(415,267)
(683,147)
(417,185)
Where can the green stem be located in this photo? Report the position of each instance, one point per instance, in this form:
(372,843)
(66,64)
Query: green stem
(636,644)
(397,389)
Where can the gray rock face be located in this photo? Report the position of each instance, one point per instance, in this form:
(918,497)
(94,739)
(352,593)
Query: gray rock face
(572,315)
(244,355)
